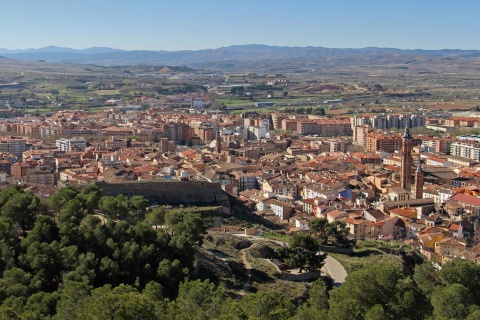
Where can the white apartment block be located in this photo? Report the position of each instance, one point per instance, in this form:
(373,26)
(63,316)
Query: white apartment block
(71,144)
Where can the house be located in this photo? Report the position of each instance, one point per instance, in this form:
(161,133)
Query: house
(256,197)
(413,230)
(450,247)
(212,176)
(398,194)
(456,230)
(308,205)
(281,209)
(315,191)
(384,228)
(429,240)
(432,220)
(445,194)
(302,224)
(374,215)
(359,227)
(400,229)
(334,215)
(408,213)
(454,210)
(280,188)
(465,200)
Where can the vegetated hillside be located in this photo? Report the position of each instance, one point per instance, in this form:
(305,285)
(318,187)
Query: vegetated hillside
(64,259)
(245,57)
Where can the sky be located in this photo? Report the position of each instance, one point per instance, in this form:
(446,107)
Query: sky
(202,24)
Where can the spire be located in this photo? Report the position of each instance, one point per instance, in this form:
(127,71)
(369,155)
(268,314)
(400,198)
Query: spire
(406,134)
(419,166)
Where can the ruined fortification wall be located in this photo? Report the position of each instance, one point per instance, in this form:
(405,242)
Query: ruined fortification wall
(174,192)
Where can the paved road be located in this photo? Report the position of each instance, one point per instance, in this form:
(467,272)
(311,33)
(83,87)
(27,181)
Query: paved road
(335,270)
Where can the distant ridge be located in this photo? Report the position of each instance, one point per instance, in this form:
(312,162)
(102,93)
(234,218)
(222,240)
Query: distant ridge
(55,49)
(225,57)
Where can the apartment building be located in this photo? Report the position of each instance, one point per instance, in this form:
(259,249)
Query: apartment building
(466,148)
(115,143)
(360,134)
(325,127)
(16,145)
(381,142)
(71,144)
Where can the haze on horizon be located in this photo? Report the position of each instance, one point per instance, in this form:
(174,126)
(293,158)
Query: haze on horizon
(192,25)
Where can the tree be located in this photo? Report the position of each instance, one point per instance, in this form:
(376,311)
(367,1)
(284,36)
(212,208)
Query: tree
(155,217)
(317,227)
(8,244)
(90,197)
(464,272)
(376,313)
(45,230)
(426,277)
(15,283)
(380,284)
(267,305)
(318,296)
(303,252)
(337,232)
(44,261)
(451,302)
(170,275)
(186,224)
(40,305)
(115,207)
(320,111)
(6,194)
(333,233)
(62,197)
(137,207)
(123,302)
(21,208)
(316,306)
(68,221)
(196,300)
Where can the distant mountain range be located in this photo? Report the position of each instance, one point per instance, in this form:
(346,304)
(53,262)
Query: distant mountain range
(235,57)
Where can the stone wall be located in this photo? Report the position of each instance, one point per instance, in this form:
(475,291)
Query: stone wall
(172,192)
(335,249)
(300,277)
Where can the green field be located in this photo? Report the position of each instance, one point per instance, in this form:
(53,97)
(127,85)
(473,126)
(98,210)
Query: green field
(107,92)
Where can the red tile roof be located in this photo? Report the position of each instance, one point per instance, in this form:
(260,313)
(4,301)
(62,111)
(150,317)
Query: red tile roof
(465,198)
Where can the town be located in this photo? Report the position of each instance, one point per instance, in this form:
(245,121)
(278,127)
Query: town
(394,175)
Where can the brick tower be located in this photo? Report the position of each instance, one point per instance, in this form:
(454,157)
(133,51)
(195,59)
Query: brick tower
(418,189)
(219,142)
(407,161)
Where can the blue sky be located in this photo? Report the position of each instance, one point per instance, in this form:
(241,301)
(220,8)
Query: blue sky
(201,24)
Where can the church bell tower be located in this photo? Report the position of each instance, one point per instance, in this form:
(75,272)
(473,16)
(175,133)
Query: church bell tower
(418,189)
(407,160)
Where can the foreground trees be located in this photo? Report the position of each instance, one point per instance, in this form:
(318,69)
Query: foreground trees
(65,260)
(89,256)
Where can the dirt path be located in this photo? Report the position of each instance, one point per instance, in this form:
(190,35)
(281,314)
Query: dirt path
(248,266)
(224,258)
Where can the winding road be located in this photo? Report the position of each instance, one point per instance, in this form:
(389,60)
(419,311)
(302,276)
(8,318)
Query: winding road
(335,270)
